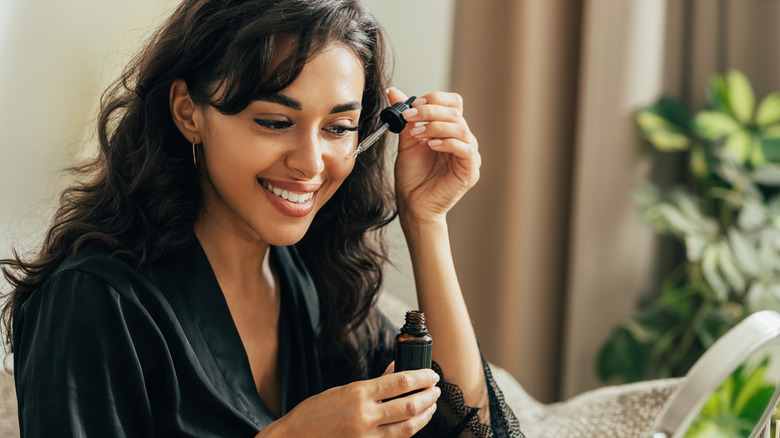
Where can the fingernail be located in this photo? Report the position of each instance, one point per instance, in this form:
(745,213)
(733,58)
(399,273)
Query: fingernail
(417,130)
(387,90)
(433,408)
(411,112)
(435,375)
(438,391)
(420,101)
(435,142)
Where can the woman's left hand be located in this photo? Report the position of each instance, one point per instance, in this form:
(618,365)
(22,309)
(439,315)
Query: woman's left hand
(438,162)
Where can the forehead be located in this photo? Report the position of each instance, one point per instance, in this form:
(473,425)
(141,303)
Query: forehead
(334,74)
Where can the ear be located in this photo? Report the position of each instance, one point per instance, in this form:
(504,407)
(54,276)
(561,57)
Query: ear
(186,115)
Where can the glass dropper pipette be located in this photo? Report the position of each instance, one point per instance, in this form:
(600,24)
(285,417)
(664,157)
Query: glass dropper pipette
(394,122)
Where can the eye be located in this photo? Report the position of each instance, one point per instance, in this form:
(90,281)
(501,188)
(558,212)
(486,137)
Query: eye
(341,131)
(275,125)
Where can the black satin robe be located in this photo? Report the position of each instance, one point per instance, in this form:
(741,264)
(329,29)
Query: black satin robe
(106,350)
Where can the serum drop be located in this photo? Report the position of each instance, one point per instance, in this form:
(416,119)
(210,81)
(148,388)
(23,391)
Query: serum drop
(413,346)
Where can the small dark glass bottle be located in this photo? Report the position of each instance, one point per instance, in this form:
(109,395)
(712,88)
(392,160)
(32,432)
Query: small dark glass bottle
(413,346)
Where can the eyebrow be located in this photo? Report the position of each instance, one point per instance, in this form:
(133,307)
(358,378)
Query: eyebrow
(281,99)
(295,104)
(344,107)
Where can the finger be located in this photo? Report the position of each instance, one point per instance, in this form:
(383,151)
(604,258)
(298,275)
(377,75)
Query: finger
(453,100)
(459,149)
(411,426)
(390,369)
(405,381)
(430,113)
(443,130)
(395,95)
(409,406)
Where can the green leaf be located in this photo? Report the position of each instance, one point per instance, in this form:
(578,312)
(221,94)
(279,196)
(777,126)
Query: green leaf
(741,96)
(756,298)
(661,133)
(768,175)
(709,265)
(761,297)
(770,147)
(650,121)
(729,269)
(622,356)
(717,93)
(753,215)
(774,211)
(673,111)
(753,384)
(713,125)
(771,132)
(744,253)
(756,404)
(694,247)
(675,220)
(689,206)
(698,162)
(757,156)
(767,256)
(668,141)
(726,394)
(739,144)
(769,110)
(646,195)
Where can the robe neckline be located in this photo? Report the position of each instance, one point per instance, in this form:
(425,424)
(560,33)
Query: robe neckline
(298,326)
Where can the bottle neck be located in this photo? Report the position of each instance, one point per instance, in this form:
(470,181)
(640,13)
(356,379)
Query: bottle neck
(415,323)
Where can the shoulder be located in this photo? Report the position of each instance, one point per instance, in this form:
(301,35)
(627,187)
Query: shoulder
(87,283)
(95,263)
(89,303)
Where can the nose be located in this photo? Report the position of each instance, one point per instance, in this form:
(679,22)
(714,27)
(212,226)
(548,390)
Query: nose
(306,156)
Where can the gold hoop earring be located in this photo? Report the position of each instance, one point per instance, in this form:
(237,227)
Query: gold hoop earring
(194,153)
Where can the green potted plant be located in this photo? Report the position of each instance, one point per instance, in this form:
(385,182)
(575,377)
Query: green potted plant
(725,214)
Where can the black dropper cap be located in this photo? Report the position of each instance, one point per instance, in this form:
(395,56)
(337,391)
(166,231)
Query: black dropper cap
(392,115)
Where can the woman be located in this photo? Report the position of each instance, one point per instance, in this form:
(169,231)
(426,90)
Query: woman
(216,274)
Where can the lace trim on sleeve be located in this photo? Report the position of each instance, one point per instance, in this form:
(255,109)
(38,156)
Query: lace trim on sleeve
(455,419)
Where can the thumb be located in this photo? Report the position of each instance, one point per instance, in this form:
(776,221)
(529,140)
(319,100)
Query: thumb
(395,95)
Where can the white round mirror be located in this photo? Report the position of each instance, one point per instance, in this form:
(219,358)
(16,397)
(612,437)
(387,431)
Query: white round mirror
(733,389)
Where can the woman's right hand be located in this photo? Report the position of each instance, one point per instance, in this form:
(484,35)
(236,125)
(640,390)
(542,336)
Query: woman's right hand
(357,409)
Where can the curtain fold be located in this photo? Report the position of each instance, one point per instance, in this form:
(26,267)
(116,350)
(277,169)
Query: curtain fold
(515,64)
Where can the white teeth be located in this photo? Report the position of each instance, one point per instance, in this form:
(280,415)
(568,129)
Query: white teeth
(298,198)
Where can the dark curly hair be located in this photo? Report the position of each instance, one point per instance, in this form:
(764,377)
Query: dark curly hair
(141,195)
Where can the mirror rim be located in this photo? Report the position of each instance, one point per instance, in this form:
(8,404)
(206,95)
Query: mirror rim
(757,331)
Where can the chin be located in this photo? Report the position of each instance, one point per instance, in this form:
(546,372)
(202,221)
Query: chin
(285,237)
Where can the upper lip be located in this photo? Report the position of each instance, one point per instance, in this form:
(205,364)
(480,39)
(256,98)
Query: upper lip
(293,186)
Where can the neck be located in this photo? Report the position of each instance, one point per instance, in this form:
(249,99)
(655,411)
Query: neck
(240,262)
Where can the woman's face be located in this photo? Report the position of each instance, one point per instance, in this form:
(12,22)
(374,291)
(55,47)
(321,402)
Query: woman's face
(272,166)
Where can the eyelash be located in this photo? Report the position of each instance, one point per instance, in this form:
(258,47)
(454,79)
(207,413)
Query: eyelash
(278,125)
(342,131)
(273,124)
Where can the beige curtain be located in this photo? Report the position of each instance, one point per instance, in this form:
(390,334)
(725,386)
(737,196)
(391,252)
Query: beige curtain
(550,250)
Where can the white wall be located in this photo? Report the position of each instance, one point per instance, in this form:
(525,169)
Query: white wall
(55,60)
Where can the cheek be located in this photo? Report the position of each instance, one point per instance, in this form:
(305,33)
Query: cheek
(234,151)
(342,168)
(338,170)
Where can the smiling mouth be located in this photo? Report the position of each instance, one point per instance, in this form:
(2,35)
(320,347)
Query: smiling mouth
(298,198)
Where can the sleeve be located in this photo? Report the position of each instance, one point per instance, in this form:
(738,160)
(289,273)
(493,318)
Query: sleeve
(78,365)
(453,418)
